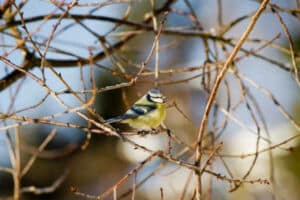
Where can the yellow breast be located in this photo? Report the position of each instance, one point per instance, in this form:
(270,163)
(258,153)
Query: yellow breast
(150,121)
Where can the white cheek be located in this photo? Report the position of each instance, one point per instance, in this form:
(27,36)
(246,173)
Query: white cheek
(159,101)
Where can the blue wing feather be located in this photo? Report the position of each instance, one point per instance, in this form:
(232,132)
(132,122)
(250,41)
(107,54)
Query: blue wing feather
(134,112)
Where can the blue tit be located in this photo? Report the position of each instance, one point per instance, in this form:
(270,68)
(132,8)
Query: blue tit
(147,113)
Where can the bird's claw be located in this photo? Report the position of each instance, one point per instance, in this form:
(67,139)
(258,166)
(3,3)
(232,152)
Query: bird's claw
(143,132)
(153,131)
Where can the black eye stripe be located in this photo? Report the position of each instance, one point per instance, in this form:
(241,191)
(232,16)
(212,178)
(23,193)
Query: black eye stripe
(149,98)
(154,99)
(156,96)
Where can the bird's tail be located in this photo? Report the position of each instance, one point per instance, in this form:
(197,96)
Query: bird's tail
(114,120)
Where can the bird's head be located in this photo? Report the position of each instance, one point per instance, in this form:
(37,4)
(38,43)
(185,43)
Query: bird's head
(155,96)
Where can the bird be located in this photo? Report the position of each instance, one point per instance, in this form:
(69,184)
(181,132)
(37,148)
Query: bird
(147,113)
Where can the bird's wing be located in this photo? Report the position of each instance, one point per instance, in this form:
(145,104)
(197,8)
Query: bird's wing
(138,110)
(134,112)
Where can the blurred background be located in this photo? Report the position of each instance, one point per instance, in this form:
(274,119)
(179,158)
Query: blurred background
(261,73)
